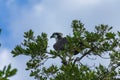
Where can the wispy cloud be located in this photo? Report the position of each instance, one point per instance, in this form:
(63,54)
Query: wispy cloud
(5,57)
(43,15)
(56,16)
(19,63)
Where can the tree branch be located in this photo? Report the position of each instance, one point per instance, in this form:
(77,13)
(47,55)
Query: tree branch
(103,57)
(45,60)
(79,58)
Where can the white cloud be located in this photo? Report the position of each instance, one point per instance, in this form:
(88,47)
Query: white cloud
(18,62)
(42,14)
(38,8)
(52,16)
(5,57)
(81,3)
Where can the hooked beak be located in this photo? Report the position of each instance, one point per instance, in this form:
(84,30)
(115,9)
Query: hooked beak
(51,36)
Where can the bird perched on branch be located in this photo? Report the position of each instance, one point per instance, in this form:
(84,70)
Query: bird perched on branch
(60,42)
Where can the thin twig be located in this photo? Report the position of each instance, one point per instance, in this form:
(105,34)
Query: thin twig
(103,57)
(45,60)
(79,58)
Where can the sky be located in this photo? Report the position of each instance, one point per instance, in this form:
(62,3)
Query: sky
(18,16)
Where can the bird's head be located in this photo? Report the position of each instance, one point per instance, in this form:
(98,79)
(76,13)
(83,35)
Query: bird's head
(56,35)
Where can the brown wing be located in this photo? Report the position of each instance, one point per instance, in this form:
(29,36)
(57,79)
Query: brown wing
(60,44)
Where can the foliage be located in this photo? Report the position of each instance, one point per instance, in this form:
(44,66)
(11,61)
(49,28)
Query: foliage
(7,72)
(100,42)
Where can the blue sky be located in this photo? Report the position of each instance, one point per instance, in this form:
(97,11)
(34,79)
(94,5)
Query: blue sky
(18,16)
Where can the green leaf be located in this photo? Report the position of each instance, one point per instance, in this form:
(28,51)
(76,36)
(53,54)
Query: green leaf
(110,35)
(12,72)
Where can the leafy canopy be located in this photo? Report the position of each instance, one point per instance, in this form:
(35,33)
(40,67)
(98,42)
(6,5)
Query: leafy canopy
(100,42)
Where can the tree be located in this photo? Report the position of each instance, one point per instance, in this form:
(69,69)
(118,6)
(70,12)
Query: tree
(97,43)
(7,71)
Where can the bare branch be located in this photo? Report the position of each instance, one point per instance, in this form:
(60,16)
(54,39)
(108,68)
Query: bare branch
(79,58)
(45,60)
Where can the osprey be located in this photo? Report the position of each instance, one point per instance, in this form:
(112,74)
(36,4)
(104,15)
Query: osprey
(60,42)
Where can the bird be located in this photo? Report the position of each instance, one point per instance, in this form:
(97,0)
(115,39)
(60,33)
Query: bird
(60,42)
